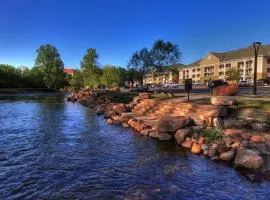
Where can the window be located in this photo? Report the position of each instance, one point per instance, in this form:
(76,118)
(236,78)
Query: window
(193,76)
(198,69)
(268,61)
(198,75)
(193,70)
(268,70)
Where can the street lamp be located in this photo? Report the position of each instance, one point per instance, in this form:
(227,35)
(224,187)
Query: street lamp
(256,46)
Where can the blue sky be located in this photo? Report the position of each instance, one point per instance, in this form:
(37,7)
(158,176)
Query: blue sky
(118,28)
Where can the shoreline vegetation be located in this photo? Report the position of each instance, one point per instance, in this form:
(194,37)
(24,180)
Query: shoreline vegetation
(219,130)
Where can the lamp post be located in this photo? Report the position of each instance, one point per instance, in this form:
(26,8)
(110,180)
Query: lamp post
(256,46)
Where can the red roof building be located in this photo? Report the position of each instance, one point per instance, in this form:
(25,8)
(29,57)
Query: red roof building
(70,71)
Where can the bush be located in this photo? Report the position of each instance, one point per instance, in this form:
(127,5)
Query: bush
(212,134)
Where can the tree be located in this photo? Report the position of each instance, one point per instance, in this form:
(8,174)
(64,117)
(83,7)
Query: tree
(77,80)
(90,70)
(123,76)
(48,60)
(160,57)
(164,55)
(233,74)
(110,76)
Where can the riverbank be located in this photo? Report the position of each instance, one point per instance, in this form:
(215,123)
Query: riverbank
(24,90)
(211,129)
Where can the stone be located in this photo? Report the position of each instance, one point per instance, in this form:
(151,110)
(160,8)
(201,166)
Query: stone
(153,134)
(196,148)
(199,122)
(235,145)
(125,125)
(117,118)
(221,101)
(218,123)
(181,135)
(248,159)
(164,136)
(212,152)
(215,158)
(197,128)
(227,140)
(257,138)
(146,131)
(201,140)
(221,148)
(187,143)
(144,95)
(227,156)
(204,147)
(172,124)
(109,121)
(119,108)
(205,152)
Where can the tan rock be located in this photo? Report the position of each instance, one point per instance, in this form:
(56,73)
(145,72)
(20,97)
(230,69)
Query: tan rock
(227,156)
(146,131)
(187,144)
(235,145)
(205,152)
(172,124)
(221,100)
(201,140)
(119,108)
(204,147)
(257,138)
(196,148)
(181,135)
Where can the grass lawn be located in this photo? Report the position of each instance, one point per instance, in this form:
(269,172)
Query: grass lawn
(258,103)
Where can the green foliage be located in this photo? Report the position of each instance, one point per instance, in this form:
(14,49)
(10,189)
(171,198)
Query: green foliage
(11,77)
(90,70)
(110,76)
(77,80)
(160,57)
(233,74)
(212,134)
(49,62)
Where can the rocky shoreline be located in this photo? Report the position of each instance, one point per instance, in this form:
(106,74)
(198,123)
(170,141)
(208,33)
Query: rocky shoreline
(194,127)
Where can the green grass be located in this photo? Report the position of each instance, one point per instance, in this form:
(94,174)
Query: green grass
(258,104)
(212,134)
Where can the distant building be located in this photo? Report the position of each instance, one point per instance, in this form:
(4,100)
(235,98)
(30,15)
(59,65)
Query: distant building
(70,71)
(214,65)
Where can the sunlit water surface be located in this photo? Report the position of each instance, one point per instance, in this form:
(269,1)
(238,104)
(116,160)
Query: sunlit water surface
(52,149)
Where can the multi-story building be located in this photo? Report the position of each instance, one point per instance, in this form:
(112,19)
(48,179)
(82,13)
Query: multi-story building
(214,65)
(158,78)
(70,71)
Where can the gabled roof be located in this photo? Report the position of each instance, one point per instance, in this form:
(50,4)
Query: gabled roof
(235,54)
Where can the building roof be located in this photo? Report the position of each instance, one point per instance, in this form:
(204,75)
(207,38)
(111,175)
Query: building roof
(236,54)
(68,70)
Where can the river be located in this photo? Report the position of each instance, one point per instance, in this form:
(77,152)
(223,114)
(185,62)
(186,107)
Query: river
(52,149)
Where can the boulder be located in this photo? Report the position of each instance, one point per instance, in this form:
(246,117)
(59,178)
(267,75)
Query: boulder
(222,101)
(196,148)
(199,122)
(227,156)
(257,138)
(146,131)
(212,152)
(218,123)
(227,140)
(119,108)
(201,140)
(204,147)
(153,134)
(197,128)
(187,144)
(164,136)
(181,135)
(125,125)
(109,121)
(248,159)
(205,152)
(235,145)
(172,124)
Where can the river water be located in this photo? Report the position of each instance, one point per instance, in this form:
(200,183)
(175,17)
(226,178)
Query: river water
(52,149)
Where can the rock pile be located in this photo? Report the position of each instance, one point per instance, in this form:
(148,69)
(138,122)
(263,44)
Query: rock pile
(185,122)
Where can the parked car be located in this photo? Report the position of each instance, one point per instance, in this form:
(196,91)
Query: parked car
(244,84)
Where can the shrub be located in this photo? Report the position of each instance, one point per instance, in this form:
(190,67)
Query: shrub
(212,134)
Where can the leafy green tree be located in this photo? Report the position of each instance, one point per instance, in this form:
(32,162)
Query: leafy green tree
(160,57)
(48,60)
(110,76)
(77,80)
(90,70)
(123,75)
(233,74)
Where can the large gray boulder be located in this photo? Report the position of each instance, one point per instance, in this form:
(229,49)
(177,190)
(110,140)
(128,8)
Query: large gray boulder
(248,159)
(181,135)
